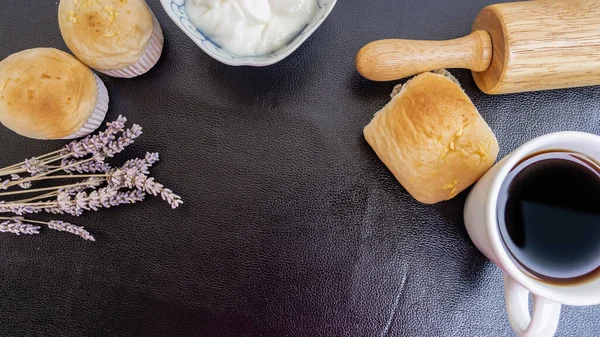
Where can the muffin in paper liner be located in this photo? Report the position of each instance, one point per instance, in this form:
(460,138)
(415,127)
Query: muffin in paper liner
(49,94)
(149,56)
(98,114)
(116,38)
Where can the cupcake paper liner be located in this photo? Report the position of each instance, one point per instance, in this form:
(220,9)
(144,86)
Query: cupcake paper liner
(98,113)
(148,58)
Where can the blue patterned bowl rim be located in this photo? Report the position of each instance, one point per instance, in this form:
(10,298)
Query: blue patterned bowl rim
(176,11)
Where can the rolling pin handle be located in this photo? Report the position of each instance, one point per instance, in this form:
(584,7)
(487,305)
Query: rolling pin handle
(393,59)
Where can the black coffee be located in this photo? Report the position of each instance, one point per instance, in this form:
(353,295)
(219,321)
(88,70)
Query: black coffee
(549,215)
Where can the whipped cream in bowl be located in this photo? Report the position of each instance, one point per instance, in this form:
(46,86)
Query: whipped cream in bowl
(248,32)
(251,27)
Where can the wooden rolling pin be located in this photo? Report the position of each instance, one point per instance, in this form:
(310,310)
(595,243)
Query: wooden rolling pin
(514,47)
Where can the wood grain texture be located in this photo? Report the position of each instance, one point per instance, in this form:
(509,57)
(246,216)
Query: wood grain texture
(392,59)
(540,45)
(514,47)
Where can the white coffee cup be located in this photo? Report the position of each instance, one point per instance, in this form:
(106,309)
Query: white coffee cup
(482,226)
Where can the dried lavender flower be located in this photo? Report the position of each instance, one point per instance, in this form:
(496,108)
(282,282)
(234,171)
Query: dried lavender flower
(53,210)
(73,165)
(105,197)
(150,186)
(125,185)
(173,199)
(151,158)
(75,149)
(16,209)
(70,228)
(132,177)
(16,226)
(131,197)
(23,185)
(137,163)
(34,166)
(91,182)
(95,144)
(122,142)
(66,204)
(142,164)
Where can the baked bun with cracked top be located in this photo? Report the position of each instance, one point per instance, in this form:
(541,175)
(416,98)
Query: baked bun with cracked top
(120,38)
(432,138)
(46,93)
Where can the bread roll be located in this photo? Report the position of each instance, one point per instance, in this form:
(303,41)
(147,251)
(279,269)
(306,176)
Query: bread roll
(111,35)
(432,138)
(46,93)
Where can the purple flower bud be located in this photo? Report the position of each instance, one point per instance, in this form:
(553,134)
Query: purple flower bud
(23,185)
(151,158)
(173,199)
(125,140)
(125,185)
(70,165)
(34,166)
(16,226)
(70,228)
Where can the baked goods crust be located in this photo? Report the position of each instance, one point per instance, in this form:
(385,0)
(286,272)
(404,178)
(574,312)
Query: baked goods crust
(432,138)
(45,93)
(106,34)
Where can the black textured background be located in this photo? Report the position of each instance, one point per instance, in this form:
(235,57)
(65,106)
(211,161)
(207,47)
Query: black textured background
(291,226)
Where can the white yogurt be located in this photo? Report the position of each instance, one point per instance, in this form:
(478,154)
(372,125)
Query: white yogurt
(251,27)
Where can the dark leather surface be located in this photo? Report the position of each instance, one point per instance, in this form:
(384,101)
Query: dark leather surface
(291,226)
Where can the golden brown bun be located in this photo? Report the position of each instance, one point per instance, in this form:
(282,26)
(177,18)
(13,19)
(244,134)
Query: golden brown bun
(105,34)
(45,93)
(432,138)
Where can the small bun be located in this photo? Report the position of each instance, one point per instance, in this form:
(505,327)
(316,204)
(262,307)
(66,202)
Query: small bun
(45,93)
(106,34)
(432,138)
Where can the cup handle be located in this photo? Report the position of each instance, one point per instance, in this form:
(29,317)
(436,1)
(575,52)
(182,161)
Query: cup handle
(545,314)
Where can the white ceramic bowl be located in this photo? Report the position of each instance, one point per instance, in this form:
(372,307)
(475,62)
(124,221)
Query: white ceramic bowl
(176,11)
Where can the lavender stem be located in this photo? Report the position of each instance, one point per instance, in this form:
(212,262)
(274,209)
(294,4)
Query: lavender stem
(39,157)
(67,176)
(43,196)
(56,225)
(60,169)
(28,220)
(16,226)
(32,204)
(41,189)
(21,170)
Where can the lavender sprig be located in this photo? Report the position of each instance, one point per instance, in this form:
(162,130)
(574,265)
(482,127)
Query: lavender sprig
(84,158)
(135,178)
(16,226)
(142,164)
(73,165)
(105,197)
(93,145)
(96,143)
(17,209)
(131,197)
(122,142)
(91,182)
(34,166)
(173,199)
(151,158)
(70,228)
(23,185)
